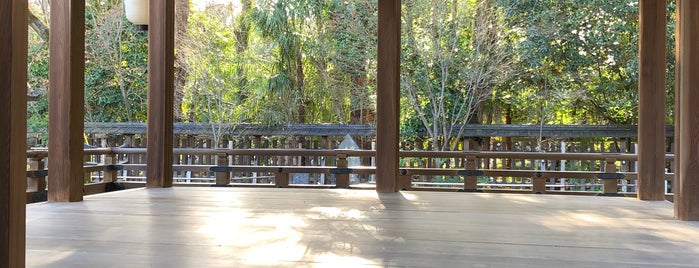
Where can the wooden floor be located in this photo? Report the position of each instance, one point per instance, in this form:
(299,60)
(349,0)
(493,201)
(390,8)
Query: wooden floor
(256,227)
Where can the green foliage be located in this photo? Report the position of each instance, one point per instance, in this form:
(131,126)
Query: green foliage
(314,61)
(38,83)
(578,61)
(115,65)
(454,56)
(283,61)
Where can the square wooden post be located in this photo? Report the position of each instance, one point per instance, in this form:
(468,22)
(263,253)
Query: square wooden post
(222,178)
(651,100)
(110,175)
(405,181)
(36,184)
(161,92)
(388,96)
(342,180)
(610,186)
(470,182)
(66,101)
(539,184)
(13,131)
(687,179)
(281,179)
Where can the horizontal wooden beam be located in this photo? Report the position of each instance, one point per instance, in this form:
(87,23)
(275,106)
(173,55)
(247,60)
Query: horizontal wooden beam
(554,131)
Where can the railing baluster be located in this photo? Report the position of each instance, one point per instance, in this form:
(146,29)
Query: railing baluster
(609,186)
(36,184)
(470,182)
(222,178)
(281,179)
(342,179)
(110,175)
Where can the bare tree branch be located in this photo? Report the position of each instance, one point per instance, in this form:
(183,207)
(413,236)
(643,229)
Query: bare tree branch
(38,26)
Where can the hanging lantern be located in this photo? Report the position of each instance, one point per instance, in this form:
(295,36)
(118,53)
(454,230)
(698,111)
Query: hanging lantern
(136,12)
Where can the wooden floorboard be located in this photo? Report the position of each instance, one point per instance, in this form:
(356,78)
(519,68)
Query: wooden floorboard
(268,227)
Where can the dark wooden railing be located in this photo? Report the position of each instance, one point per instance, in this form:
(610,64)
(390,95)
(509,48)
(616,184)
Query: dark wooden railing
(596,173)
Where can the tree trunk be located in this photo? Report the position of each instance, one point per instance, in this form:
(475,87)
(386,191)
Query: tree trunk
(360,114)
(181,72)
(300,80)
(125,96)
(242,35)
(508,140)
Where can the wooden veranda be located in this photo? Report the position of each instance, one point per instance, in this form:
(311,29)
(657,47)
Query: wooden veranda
(66,145)
(258,227)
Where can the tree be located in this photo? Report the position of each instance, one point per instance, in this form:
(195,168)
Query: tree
(279,22)
(578,61)
(454,55)
(181,23)
(38,69)
(352,27)
(115,65)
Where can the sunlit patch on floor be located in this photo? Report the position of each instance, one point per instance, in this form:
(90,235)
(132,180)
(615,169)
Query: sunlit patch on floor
(338,213)
(335,261)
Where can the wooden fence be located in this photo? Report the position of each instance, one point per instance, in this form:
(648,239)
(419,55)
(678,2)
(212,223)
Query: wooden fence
(534,172)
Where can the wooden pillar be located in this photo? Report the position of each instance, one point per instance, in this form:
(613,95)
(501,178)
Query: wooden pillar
(677,109)
(161,75)
(66,101)
(388,96)
(687,179)
(651,100)
(13,131)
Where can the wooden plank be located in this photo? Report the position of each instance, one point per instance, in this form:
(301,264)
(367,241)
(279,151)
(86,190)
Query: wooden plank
(13,119)
(687,183)
(504,173)
(651,100)
(325,130)
(388,96)
(369,153)
(161,79)
(519,155)
(66,101)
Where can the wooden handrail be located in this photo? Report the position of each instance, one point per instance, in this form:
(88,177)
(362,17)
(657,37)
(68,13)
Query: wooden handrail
(364,153)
